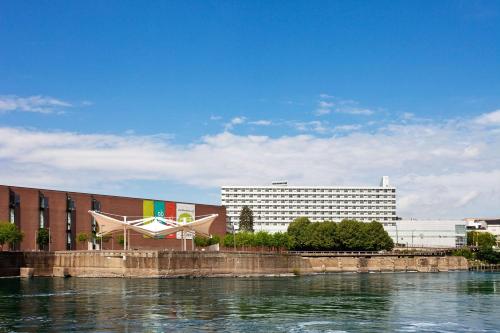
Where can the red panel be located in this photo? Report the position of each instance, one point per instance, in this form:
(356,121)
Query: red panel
(170,213)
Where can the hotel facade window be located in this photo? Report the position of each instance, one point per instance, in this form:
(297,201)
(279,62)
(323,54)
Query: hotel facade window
(315,203)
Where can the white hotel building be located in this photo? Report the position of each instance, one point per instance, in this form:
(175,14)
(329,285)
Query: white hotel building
(275,207)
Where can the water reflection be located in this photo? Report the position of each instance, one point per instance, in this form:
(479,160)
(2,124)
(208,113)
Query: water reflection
(348,302)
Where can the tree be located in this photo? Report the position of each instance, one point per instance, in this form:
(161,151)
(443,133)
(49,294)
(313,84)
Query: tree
(348,235)
(376,237)
(351,236)
(246,219)
(323,236)
(43,238)
(481,239)
(298,232)
(9,234)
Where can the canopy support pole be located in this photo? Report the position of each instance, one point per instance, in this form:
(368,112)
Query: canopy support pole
(125,233)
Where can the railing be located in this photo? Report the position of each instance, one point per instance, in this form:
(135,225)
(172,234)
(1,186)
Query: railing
(369,253)
(480,267)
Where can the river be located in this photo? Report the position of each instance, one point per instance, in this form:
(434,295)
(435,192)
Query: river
(397,302)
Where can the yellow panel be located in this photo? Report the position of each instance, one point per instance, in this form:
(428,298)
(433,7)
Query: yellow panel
(148,208)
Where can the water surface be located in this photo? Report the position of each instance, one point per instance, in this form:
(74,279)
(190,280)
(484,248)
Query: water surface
(398,302)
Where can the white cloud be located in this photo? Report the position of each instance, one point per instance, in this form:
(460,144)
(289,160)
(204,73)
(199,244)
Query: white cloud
(329,104)
(347,128)
(407,116)
(439,171)
(312,126)
(235,121)
(37,104)
(492,118)
(324,104)
(213,117)
(355,111)
(261,122)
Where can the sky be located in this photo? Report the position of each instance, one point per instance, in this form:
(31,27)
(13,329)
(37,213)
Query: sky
(171,100)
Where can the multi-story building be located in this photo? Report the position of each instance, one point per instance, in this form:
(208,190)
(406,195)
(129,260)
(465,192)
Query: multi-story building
(275,207)
(65,216)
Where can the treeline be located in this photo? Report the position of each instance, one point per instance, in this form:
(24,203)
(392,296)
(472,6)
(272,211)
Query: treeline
(348,235)
(484,243)
(304,235)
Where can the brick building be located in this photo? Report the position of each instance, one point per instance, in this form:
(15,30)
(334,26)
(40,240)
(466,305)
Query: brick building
(65,215)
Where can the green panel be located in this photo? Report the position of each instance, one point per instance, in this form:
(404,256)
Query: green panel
(159,208)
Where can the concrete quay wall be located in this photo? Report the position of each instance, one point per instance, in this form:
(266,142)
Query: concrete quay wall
(177,264)
(388,264)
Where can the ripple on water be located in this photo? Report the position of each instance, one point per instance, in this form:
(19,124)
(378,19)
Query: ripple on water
(444,302)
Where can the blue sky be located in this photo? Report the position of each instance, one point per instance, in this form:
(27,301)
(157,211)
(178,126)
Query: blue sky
(234,88)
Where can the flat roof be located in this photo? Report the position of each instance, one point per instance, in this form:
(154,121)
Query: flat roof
(105,195)
(307,187)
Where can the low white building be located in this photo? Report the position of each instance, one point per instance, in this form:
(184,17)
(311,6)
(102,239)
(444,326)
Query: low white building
(491,225)
(427,233)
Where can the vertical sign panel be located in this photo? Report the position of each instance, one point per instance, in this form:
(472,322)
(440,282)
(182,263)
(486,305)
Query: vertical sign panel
(185,214)
(171,214)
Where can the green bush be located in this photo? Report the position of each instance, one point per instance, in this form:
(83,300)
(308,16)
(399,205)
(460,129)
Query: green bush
(202,241)
(43,238)
(464,252)
(121,240)
(82,237)
(488,254)
(299,234)
(262,239)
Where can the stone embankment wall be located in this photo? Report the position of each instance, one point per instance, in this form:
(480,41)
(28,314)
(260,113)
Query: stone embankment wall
(10,262)
(174,264)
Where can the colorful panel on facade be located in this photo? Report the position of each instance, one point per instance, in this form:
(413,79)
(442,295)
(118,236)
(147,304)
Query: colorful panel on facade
(159,209)
(170,213)
(148,209)
(185,214)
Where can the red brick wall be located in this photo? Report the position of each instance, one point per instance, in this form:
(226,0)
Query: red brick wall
(132,207)
(4,204)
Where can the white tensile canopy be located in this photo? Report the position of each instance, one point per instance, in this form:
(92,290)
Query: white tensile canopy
(151,226)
